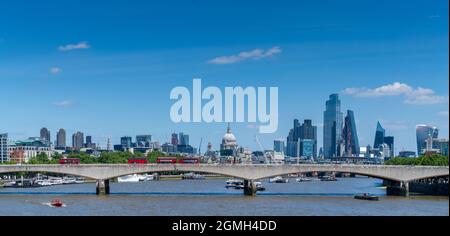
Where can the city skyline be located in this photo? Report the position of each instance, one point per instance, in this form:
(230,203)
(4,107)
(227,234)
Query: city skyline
(386,64)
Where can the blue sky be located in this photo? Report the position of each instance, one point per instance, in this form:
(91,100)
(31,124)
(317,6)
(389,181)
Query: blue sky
(107,67)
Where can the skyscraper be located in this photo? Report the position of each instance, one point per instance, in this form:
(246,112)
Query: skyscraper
(77,140)
(89,143)
(379,136)
(299,133)
(389,140)
(143,140)
(308,132)
(422,133)
(350,136)
(332,126)
(4,148)
(126,142)
(45,135)
(184,139)
(174,140)
(61,139)
(278,145)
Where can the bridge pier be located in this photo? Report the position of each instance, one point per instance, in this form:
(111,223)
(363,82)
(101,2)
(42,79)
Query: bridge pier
(102,187)
(397,188)
(249,188)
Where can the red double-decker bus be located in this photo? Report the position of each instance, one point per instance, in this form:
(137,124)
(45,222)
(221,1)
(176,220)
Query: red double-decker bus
(69,161)
(137,161)
(189,161)
(166,160)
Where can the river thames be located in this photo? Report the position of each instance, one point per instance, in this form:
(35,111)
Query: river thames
(210,197)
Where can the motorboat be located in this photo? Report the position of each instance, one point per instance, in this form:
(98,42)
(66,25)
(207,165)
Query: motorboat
(79,180)
(279,179)
(233,183)
(260,186)
(328,178)
(192,176)
(129,179)
(367,196)
(57,202)
(146,177)
(303,179)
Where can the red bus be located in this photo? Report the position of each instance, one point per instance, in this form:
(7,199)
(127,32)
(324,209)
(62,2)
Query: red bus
(166,160)
(69,161)
(137,161)
(189,161)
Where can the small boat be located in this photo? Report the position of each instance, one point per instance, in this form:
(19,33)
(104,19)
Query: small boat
(57,203)
(146,177)
(260,186)
(328,178)
(192,176)
(303,179)
(367,196)
(129,179)
(233,183)
(278,179)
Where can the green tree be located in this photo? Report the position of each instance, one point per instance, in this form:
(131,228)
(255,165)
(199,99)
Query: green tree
(430,160)
(40,158)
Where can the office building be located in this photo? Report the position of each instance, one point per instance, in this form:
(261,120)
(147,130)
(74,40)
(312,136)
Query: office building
(61,139)
(379,136)
(307,148)
(278,145)
(45,135)
(77,140)
(183,139)
(174,140)
(350,136)
(22,151)
(299,133)
(332,126)
(4,148)
(143,140)
(389,140)
(126,142)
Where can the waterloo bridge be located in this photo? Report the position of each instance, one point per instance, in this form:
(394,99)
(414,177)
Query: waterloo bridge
(103,173)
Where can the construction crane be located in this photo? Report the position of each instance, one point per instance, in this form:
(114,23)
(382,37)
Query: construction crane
(200,147)
(263,150)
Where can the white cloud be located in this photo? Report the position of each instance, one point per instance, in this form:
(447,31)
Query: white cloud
(69,47)
(443,113)
(419,95)
(254,54)
(65,103)
(55,70)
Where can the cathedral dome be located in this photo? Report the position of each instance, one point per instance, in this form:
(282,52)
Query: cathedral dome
(229,140)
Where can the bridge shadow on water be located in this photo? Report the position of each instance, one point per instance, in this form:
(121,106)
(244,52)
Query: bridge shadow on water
(184,194)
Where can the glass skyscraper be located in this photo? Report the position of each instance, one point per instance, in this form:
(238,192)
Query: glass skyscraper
(299,133)
(143,140)
(126,142)
(278,145)
(332,126)
(379,136)
(350,135)
(422,133)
